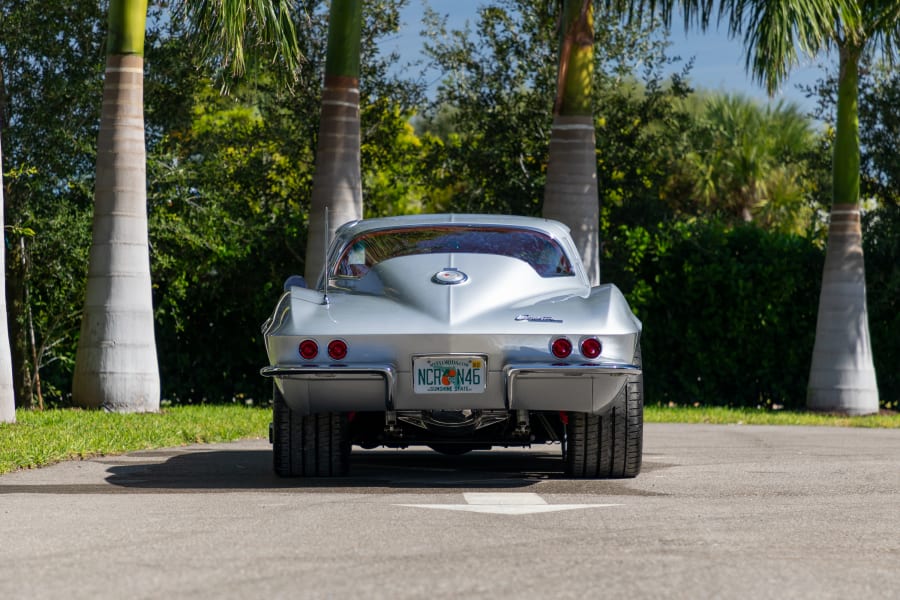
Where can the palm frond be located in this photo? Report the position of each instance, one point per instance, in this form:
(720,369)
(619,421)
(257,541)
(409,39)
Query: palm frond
(883,21)
(228,31)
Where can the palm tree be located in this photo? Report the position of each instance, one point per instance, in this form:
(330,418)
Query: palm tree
(747,162)
(7,396)
(570,194)
(337,183)
(842,375)
(115,365)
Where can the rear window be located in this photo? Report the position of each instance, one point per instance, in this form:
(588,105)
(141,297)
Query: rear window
(539,250)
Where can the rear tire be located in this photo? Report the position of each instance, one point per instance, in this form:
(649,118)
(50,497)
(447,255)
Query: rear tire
(610,444)
(308,446)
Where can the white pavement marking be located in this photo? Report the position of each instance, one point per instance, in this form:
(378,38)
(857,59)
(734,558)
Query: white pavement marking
(503,498)
(506,504)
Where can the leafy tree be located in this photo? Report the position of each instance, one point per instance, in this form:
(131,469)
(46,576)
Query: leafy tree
(225,206)
(879,93)
(748,163)
(49,72)
(842,375)
(391,173)
(880,133)
(486,136)
(229,193)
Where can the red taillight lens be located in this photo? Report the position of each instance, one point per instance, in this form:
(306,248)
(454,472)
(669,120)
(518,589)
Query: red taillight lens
(561,347)
(337,349)
(309,349)
(591,348)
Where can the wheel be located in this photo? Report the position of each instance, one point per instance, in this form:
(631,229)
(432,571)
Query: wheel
(308,446)
(609,445)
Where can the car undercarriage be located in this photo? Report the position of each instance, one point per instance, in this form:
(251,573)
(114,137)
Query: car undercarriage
(455,431)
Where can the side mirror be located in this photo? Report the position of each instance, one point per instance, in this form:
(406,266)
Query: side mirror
(294,281)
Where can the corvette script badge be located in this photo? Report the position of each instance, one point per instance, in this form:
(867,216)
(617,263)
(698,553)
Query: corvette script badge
(535,319)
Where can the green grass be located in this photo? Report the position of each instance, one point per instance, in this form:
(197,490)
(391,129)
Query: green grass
(751,416)
(42,438)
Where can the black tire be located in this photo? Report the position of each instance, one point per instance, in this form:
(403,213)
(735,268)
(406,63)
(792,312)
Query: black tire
(308,446)
(609,445)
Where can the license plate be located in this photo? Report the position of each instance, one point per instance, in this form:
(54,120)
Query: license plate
(449,374)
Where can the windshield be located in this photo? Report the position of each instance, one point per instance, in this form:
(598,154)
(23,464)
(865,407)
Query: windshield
(539,250)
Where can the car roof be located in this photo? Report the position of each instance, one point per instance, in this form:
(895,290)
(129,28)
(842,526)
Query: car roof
(553,228)
(556,230)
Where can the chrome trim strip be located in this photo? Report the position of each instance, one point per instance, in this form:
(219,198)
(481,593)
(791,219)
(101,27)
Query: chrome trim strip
(388,372)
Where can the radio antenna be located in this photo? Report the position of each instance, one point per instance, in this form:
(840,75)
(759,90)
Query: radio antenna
(325,291)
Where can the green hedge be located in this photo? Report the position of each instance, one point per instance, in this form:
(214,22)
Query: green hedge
(729,314)
(881,244)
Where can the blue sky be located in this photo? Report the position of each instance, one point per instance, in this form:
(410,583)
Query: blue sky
(718,64)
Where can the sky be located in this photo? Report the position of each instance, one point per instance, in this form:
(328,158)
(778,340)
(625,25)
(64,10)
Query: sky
(718,61)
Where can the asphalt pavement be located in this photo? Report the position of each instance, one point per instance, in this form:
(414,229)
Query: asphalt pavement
(717,512)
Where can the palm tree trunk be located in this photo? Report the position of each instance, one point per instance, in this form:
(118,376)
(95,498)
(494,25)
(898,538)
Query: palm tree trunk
(570,194)
(7,396)
(115,365)
(842,375)
(337,183)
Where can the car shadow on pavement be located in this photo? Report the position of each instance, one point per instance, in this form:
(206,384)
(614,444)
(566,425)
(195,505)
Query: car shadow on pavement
(252,470)
(375,471)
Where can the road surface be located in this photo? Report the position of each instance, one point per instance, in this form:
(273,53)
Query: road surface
(717,512)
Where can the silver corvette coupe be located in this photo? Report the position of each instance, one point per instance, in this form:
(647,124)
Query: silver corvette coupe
(457,332)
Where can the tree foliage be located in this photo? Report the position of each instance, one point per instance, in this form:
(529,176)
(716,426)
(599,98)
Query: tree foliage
(747,162)
(230,195)
(229,181)
(879,127)
(51,60)
(487,132)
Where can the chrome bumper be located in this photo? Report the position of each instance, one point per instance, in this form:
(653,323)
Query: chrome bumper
(585,387)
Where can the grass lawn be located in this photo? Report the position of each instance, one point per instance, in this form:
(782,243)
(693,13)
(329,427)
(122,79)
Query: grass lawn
(751,416)
(42,438)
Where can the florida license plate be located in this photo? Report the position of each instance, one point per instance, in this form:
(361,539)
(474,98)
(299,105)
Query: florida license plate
(449,374)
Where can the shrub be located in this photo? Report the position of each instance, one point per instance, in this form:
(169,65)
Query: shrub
(881,244)
(729,313)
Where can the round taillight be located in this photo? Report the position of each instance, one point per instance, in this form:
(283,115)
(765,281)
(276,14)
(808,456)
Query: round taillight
(561,347)
(309,349)
(591,348)
(337,349)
